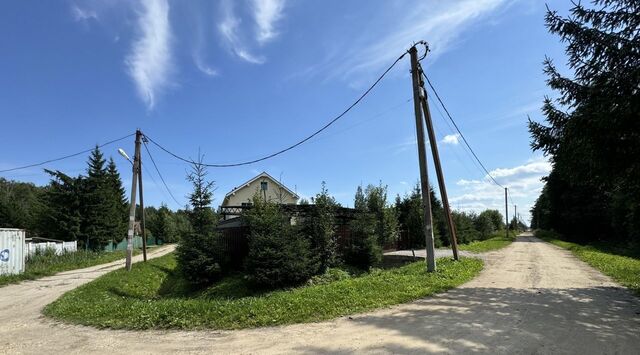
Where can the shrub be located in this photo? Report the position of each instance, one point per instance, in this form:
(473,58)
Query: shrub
(201,258)
(362,251)
(278,254)
(319,227)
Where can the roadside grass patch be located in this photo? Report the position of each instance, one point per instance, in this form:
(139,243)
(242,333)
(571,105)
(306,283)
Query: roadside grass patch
(623,265)
(47,264)
(497,241)
(154,296)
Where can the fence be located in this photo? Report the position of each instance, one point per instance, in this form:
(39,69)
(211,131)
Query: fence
(137,243)
(59,247)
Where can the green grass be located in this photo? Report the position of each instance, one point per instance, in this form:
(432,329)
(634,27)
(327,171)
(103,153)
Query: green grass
(47,264)
(497,241)
(623,265)
(154,296)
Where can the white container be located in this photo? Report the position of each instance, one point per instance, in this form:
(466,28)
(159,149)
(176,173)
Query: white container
(11,251)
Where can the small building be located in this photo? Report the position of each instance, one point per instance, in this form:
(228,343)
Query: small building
(264,184)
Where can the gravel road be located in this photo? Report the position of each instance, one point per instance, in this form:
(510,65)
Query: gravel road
(531,297)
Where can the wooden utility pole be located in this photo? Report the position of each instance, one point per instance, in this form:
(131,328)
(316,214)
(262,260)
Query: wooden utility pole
(132,201)
(138,158)
(436,161)
(506,212)
(424,178)
(515,215)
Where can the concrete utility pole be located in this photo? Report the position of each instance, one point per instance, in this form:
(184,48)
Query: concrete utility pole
(506,212)
(515,215)
(142,219)
(436,159)
(424,178)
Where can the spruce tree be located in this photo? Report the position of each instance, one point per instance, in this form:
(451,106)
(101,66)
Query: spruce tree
(119,211)
(592,131)
(97,225)
(320,228)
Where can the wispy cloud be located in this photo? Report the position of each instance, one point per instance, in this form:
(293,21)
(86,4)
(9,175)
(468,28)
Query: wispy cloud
(202,66)
(229,29)
(80,14)
(149,62)
(452,139)
(524,183)
(266,14)
(440,23)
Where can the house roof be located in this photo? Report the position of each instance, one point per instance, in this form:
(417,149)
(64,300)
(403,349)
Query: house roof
(261,175)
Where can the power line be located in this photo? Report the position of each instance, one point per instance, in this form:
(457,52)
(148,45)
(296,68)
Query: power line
(67,156)
(458,129)
(269,156)
(160,175)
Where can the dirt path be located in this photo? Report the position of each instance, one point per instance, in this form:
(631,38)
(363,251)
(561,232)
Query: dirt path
(532,297)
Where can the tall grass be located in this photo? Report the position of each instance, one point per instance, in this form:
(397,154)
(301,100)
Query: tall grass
(46,262)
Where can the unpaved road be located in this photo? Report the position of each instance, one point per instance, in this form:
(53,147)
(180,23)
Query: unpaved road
(531,297)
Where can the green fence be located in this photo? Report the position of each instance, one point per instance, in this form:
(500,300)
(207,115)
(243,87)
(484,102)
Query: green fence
(137,243)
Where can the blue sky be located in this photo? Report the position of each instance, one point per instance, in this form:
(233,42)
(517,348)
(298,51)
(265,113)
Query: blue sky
(239,79)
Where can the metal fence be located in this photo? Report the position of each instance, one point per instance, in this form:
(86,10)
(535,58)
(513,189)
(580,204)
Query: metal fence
(11,251)
(59,247)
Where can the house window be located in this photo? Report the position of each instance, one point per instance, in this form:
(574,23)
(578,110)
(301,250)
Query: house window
(263,185)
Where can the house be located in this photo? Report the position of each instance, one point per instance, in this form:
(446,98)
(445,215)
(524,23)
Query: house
(264,184)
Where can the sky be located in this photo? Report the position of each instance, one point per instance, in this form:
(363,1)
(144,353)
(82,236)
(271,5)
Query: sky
(236,80)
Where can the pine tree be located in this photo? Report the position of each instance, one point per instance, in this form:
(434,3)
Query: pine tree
(97,225)
(119,211)
(592,131)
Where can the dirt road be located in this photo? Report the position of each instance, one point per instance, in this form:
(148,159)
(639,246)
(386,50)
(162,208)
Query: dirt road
(531,297)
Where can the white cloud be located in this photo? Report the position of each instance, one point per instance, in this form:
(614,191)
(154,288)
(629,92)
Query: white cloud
(453,139)
(150,59)
(524,183)
(266,13)
(83,14)
(204,67)
(440,23)
(229,28)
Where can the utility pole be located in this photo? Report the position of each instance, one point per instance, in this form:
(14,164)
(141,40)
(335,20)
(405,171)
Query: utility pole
(132,202)
(138,158)
(436,160)
(506,212)
(424,178)
(515,215)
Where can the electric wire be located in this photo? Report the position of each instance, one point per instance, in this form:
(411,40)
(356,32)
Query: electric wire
(67,156)
(269,156)
(458,128)
(159,174)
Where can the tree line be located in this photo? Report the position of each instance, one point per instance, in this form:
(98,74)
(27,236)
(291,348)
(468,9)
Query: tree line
(591,131)
(90,208)
(286,249)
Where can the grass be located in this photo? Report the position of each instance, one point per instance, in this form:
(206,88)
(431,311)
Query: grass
(154,296)
(623,265)
(47,264)
(497,241)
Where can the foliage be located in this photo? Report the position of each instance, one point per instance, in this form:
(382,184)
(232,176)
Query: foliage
(592,131)
(144,298)
(362,249)
(386,220)
(20,205)
(411,220)
(278,254)
(465,227)
(46,263)
(320,229)
(623,265)
(200,256)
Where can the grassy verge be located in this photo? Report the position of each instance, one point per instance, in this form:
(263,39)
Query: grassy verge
(497,241)
(154,296)
(620,264)
(48,264)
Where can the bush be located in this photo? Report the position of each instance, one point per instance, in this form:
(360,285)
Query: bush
(319,227)
(278,254)
(201,258)
(362,251)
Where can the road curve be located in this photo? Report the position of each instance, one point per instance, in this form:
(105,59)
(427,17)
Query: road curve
(532,297)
